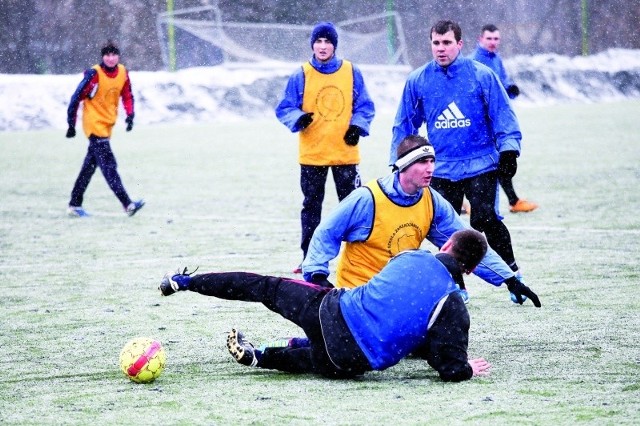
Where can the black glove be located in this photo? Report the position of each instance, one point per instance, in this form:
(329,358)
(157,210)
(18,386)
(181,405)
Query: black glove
(513,91)
(71,132)
(518,289)
(508,164)
(321,280)
(352,136)
(129,122)
(304,121)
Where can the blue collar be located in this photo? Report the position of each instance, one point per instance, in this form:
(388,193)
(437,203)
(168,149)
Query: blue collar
(485,52)
(412,198)
(452,68)
(328,67)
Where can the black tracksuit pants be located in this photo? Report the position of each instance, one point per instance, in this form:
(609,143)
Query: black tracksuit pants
(313,308)
(99,154)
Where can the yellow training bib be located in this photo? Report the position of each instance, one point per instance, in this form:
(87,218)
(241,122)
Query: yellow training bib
(330,98)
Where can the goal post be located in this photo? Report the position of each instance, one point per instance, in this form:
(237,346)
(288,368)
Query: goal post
(202,38)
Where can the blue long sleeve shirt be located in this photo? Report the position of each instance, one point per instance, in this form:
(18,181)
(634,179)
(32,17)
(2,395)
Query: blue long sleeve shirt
(467,113)
(388,320)
(493,61)
(352,219)
(289,110)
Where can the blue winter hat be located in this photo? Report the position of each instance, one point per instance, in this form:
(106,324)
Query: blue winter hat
(325,30)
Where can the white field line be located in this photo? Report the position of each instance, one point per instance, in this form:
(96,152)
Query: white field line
(255,255)
(575,229)
(166,216)
(257,218)
(127,261)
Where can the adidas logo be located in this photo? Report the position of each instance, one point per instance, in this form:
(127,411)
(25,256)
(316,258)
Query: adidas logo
(452,118)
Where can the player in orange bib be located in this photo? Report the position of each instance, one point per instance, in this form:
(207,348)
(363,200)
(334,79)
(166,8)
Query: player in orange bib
(390,215)
(99,91)
(327,102)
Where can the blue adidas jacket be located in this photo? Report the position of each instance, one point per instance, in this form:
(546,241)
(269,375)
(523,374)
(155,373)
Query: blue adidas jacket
(467,113)
(351,220)
(388,320)
(493,61)
(289,110)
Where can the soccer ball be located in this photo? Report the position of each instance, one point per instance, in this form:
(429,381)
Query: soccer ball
(142,359)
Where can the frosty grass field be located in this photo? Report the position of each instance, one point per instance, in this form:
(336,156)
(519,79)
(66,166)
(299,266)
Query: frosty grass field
(226,197)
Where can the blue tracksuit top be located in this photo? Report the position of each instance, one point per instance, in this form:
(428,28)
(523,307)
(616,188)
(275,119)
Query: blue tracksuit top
(289,110)
(388,317)
(493,61)
(467,113)
(351,220)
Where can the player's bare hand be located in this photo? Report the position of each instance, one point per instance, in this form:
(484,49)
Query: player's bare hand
(480,367)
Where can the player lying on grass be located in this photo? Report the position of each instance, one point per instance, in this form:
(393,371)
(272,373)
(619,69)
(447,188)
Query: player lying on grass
(411,306)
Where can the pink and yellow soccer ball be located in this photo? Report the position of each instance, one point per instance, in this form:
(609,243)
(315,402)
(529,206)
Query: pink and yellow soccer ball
(142,359)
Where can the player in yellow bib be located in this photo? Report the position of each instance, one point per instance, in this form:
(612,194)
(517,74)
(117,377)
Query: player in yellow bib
(392,214)
(327,103)
(99,91)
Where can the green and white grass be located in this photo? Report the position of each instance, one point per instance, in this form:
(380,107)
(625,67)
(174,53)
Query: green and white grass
(226,197)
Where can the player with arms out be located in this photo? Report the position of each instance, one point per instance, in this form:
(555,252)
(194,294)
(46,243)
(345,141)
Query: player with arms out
(391,214)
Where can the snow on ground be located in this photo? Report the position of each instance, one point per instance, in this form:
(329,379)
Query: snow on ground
(236,92)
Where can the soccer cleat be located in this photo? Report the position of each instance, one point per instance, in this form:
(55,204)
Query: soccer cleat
(240,349)
(172,282)
(133,207)
(523,206)
(73,211)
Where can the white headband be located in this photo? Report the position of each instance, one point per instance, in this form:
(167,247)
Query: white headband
(414,155)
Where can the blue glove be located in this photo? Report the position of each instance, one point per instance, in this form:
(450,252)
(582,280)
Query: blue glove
(71,132)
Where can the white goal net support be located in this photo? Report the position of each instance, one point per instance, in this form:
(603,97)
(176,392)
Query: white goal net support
(200,37)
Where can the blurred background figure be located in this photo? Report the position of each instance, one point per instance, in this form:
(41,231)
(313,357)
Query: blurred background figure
(487,54)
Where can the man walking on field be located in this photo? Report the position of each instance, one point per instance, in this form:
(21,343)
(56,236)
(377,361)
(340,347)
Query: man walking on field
(99,91)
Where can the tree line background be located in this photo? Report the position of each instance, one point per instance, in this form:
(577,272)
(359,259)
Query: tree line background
(64,36)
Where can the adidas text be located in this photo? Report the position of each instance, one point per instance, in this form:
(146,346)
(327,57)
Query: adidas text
(453,124)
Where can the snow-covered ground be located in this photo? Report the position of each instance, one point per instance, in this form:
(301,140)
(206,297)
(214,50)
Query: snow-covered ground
(237,92)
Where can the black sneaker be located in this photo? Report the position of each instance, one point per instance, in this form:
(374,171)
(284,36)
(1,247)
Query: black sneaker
(175,281)
(240,349)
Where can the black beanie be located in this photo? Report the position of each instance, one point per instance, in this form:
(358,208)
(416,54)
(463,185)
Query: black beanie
(110,47)
(325,30)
